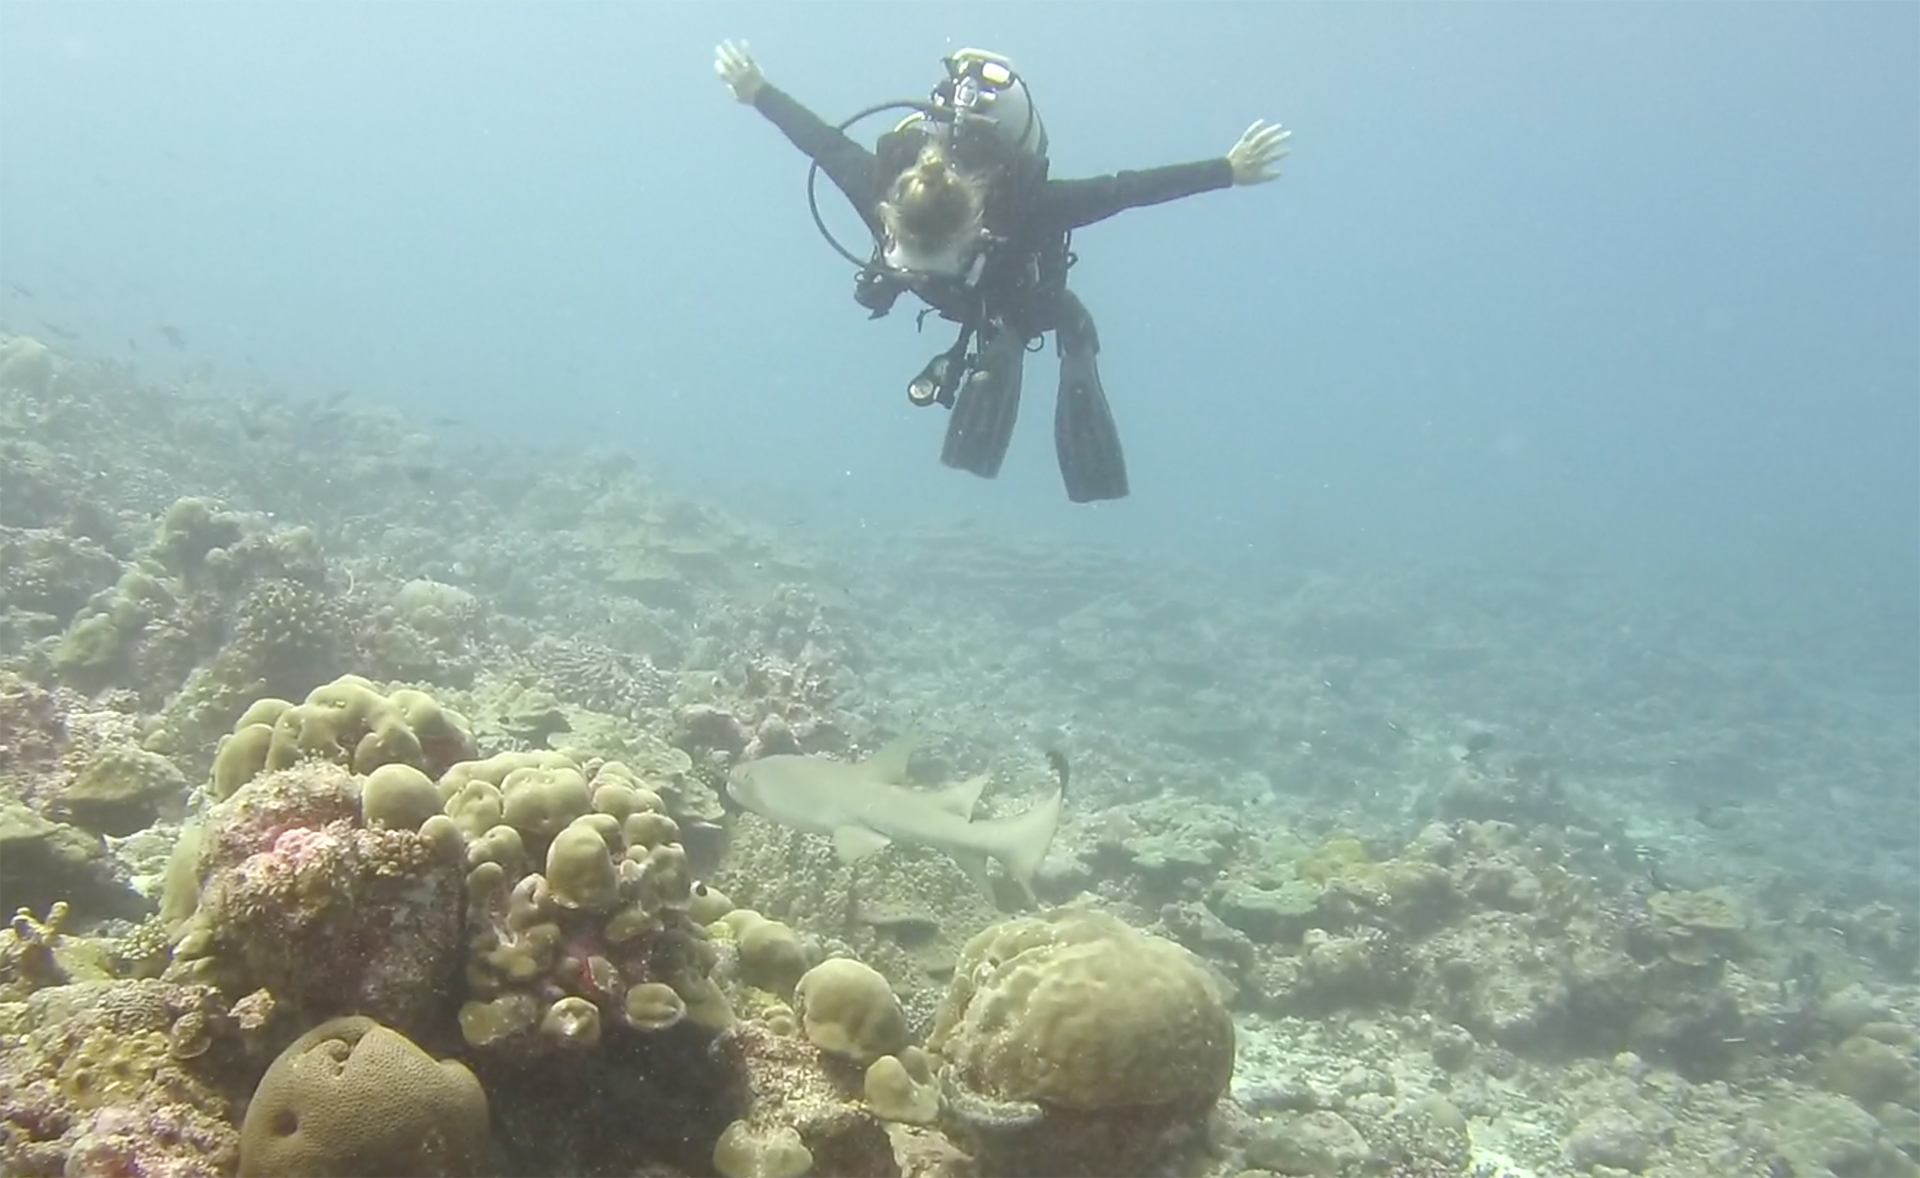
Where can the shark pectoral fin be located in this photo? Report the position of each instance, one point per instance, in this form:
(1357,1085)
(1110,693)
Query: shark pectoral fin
(962,798)
(854,843)
(889,761)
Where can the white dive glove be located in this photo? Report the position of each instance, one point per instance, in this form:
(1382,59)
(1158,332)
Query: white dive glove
(738,70)
(1257,151)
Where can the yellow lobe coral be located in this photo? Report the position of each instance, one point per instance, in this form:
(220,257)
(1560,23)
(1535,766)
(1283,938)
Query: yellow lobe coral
(847,1008)
(573,1021)
(398,796)
(744,1151)
(654,1006)
(902,1088)
(580,869)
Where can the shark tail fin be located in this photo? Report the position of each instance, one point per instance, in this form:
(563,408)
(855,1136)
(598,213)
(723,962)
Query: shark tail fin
(1021,842)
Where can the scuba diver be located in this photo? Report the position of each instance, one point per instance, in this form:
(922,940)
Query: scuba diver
(963,215)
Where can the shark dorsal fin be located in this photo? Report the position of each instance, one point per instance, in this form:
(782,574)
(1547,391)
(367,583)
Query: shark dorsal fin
(854,843)
(889,761)
(961,798)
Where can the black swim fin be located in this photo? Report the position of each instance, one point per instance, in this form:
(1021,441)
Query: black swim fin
(981,425)
(1092,464)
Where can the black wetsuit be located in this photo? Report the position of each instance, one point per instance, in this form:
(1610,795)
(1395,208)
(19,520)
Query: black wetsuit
(1022,285)
(1038,225)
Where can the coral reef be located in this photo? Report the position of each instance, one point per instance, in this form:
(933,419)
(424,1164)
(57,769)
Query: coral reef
(601,932)
(118,1077)
(1455,871)
(71,774)
(216,607)
(351,1097)
(299,897)
(802,1115)
(1071,1042)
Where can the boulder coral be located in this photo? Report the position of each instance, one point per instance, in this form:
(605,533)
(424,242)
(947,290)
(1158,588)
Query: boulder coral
(848,1009)
(352,1097)
(297,895)
(1032,1012)
(1073,1039)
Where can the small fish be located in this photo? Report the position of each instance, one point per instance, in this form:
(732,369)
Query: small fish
(1061,769)
(17,289)
(1649,859)
(173,335)
(64,333)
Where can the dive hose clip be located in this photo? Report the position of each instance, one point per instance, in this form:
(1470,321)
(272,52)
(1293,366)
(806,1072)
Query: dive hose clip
(876,290)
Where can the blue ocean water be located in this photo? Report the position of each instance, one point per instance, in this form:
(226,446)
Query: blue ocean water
(1624,291)
(1561,397)
(1629,284)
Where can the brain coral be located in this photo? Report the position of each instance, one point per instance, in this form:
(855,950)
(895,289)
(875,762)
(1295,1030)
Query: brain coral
(351,1097)
(1077,1010)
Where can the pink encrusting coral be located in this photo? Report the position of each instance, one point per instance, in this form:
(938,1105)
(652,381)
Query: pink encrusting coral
(166,1141)
(329,916)
(300,802)
(296,848)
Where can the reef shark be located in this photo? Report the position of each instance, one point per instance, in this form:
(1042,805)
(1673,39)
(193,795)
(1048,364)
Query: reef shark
(865,805)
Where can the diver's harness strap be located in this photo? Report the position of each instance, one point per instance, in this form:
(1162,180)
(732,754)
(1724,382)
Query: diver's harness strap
(939,382)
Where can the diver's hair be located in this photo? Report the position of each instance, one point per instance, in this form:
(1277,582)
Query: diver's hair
(933,206)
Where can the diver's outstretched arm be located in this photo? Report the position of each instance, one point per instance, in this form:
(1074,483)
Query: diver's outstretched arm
(850,166)
(1069,204)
